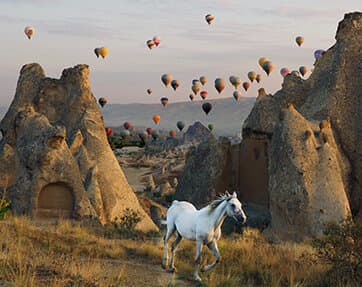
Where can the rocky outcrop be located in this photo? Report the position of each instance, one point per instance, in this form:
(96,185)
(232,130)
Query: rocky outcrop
(197,133)
(205,173)
(55,156)
(305,141)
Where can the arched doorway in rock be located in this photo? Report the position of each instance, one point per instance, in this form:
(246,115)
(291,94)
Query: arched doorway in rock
(55,200)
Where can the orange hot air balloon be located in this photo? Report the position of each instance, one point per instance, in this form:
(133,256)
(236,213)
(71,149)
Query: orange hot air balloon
(173,133)
(299,40)
(303,70)
(103,52)
(203,94)
(258,78)
(252,76)
(108,131)
(246,86)
(156,119)
(209,18)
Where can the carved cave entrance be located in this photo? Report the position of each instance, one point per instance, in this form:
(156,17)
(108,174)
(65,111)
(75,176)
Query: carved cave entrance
(253,171)
(55,200)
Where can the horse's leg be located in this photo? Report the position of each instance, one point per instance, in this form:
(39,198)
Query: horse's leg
(213,247)
(173,250)
(170,231)
(199,244)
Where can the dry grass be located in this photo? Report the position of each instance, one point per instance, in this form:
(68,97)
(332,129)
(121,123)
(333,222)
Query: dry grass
(67,254)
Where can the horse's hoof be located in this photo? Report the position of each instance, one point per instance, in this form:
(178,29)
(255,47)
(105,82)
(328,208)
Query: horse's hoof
(172,269)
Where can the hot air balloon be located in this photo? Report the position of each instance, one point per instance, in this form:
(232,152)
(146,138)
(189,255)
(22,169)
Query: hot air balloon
(108,131)
(203,80)
(142,135)
(252,76)
(219,85)
(196,82)
(164,101)
(246,86)
(203,94)
(192,97)
(156,40)
(96,51)
(303,70)
(209,18)
(150,44)
(237,95)
(149,91)
(268,67)
(284,71)
(235,81)
(172,133)
(180,125)
(258,78)
(207,107)
(155,134)
(299,40)
(196,89)
(262,61)
(295,73)
(125,133)
(127,125)
(166,79)
(175,84)
(149,130)
(103,52)
(102,101)
(156,119)
(318,54)
(29,31)
(211,127)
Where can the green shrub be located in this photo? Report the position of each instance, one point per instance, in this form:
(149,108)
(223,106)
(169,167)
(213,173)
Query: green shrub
(4,207)
(341,249)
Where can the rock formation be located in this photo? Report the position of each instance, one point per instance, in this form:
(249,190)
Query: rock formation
(305,143)
(197,133)
(55,159)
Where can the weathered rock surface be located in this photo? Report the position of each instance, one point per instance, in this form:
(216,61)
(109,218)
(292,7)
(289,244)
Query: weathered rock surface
(54,155)
(197,133)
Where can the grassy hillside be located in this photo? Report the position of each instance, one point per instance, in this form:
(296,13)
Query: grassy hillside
(227,114)
(64,253)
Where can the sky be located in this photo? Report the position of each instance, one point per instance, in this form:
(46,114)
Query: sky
(67,31)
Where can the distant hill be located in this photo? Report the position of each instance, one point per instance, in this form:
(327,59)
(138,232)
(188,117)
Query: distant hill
(227,114)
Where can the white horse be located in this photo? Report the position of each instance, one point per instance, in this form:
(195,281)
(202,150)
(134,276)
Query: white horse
(202,226)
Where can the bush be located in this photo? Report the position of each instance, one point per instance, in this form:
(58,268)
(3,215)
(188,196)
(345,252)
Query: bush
(341,248)
(4,207)
(125,226)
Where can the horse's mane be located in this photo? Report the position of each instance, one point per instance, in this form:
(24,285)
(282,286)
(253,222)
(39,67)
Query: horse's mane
(214,204)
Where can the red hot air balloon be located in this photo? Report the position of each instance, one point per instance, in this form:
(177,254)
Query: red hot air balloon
(108,131)
(284,72)
(246,86)
(156,40)
(172,133)
(127,125)
(149,131)
(203,94)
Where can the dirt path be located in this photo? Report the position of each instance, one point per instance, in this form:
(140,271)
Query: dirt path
(134,272)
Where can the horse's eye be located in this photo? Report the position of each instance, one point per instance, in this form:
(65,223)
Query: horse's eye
(233,205)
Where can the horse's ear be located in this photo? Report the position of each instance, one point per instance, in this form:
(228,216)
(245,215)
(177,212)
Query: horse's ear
(227,193)
(235,194)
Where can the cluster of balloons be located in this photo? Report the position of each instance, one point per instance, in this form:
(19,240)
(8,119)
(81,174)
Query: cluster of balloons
(154,42)
(102,51)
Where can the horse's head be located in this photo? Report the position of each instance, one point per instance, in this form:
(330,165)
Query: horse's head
(234,208)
